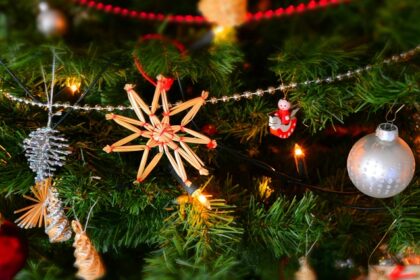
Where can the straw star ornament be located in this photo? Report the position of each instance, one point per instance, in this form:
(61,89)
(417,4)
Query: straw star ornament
(170,140)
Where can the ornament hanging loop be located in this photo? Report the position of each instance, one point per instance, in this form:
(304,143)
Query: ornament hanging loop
(50,96)
(394,117)
(285,92)
(88,216)
(391,227)
(149,37)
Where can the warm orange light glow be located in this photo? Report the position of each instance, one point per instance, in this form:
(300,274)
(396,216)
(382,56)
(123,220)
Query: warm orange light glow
(223,34)
(298,151)
(74,88)
(264,188)
(202,199)
(73,84)
(300,162)
(218,29)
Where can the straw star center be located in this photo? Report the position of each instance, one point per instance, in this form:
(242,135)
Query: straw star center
(161,134)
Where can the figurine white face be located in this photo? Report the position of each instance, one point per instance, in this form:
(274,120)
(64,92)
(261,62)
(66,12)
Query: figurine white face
(283,104)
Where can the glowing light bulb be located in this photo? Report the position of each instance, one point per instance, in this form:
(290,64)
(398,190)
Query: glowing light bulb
(201,198)
(298,151)
(73,88)
(73,84)
(224,34)
(300,162)
(218,29)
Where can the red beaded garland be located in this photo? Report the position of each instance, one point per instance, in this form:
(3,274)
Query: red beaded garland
(195,19)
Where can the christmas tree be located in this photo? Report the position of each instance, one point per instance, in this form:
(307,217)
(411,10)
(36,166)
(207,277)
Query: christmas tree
(209,139)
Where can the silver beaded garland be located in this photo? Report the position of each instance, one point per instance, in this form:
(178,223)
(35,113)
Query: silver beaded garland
(381,164)
(45,150)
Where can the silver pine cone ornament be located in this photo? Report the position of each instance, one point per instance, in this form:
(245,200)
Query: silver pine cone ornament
(45,150)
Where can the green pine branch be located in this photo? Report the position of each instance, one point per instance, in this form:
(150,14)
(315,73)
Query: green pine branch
(284,227)
(197,243)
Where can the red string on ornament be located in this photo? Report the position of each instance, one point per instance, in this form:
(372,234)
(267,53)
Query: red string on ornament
(167,82)
(398,273)
(195,19)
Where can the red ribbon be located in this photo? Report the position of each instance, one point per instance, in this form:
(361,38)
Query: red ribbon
(166,82)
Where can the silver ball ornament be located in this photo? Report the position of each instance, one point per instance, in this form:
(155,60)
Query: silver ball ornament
(51,22)
(381,164)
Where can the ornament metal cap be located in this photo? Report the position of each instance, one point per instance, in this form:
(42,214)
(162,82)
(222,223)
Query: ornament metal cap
(43,6)
(387,132)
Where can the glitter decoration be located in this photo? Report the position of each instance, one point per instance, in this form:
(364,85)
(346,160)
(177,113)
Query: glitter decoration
(57,224)
(88,261)
(45,150)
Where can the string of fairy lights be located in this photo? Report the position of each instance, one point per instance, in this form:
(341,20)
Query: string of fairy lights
(350,74)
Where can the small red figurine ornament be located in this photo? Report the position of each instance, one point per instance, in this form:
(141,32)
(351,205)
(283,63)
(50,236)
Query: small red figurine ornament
(282,123)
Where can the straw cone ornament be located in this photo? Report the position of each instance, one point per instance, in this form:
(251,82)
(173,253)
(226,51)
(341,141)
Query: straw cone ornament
(224,13)
(305,272)
(88,261)
(47,211)
(171,140)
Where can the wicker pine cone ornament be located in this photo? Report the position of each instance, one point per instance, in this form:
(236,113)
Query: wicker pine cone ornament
(88,261)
